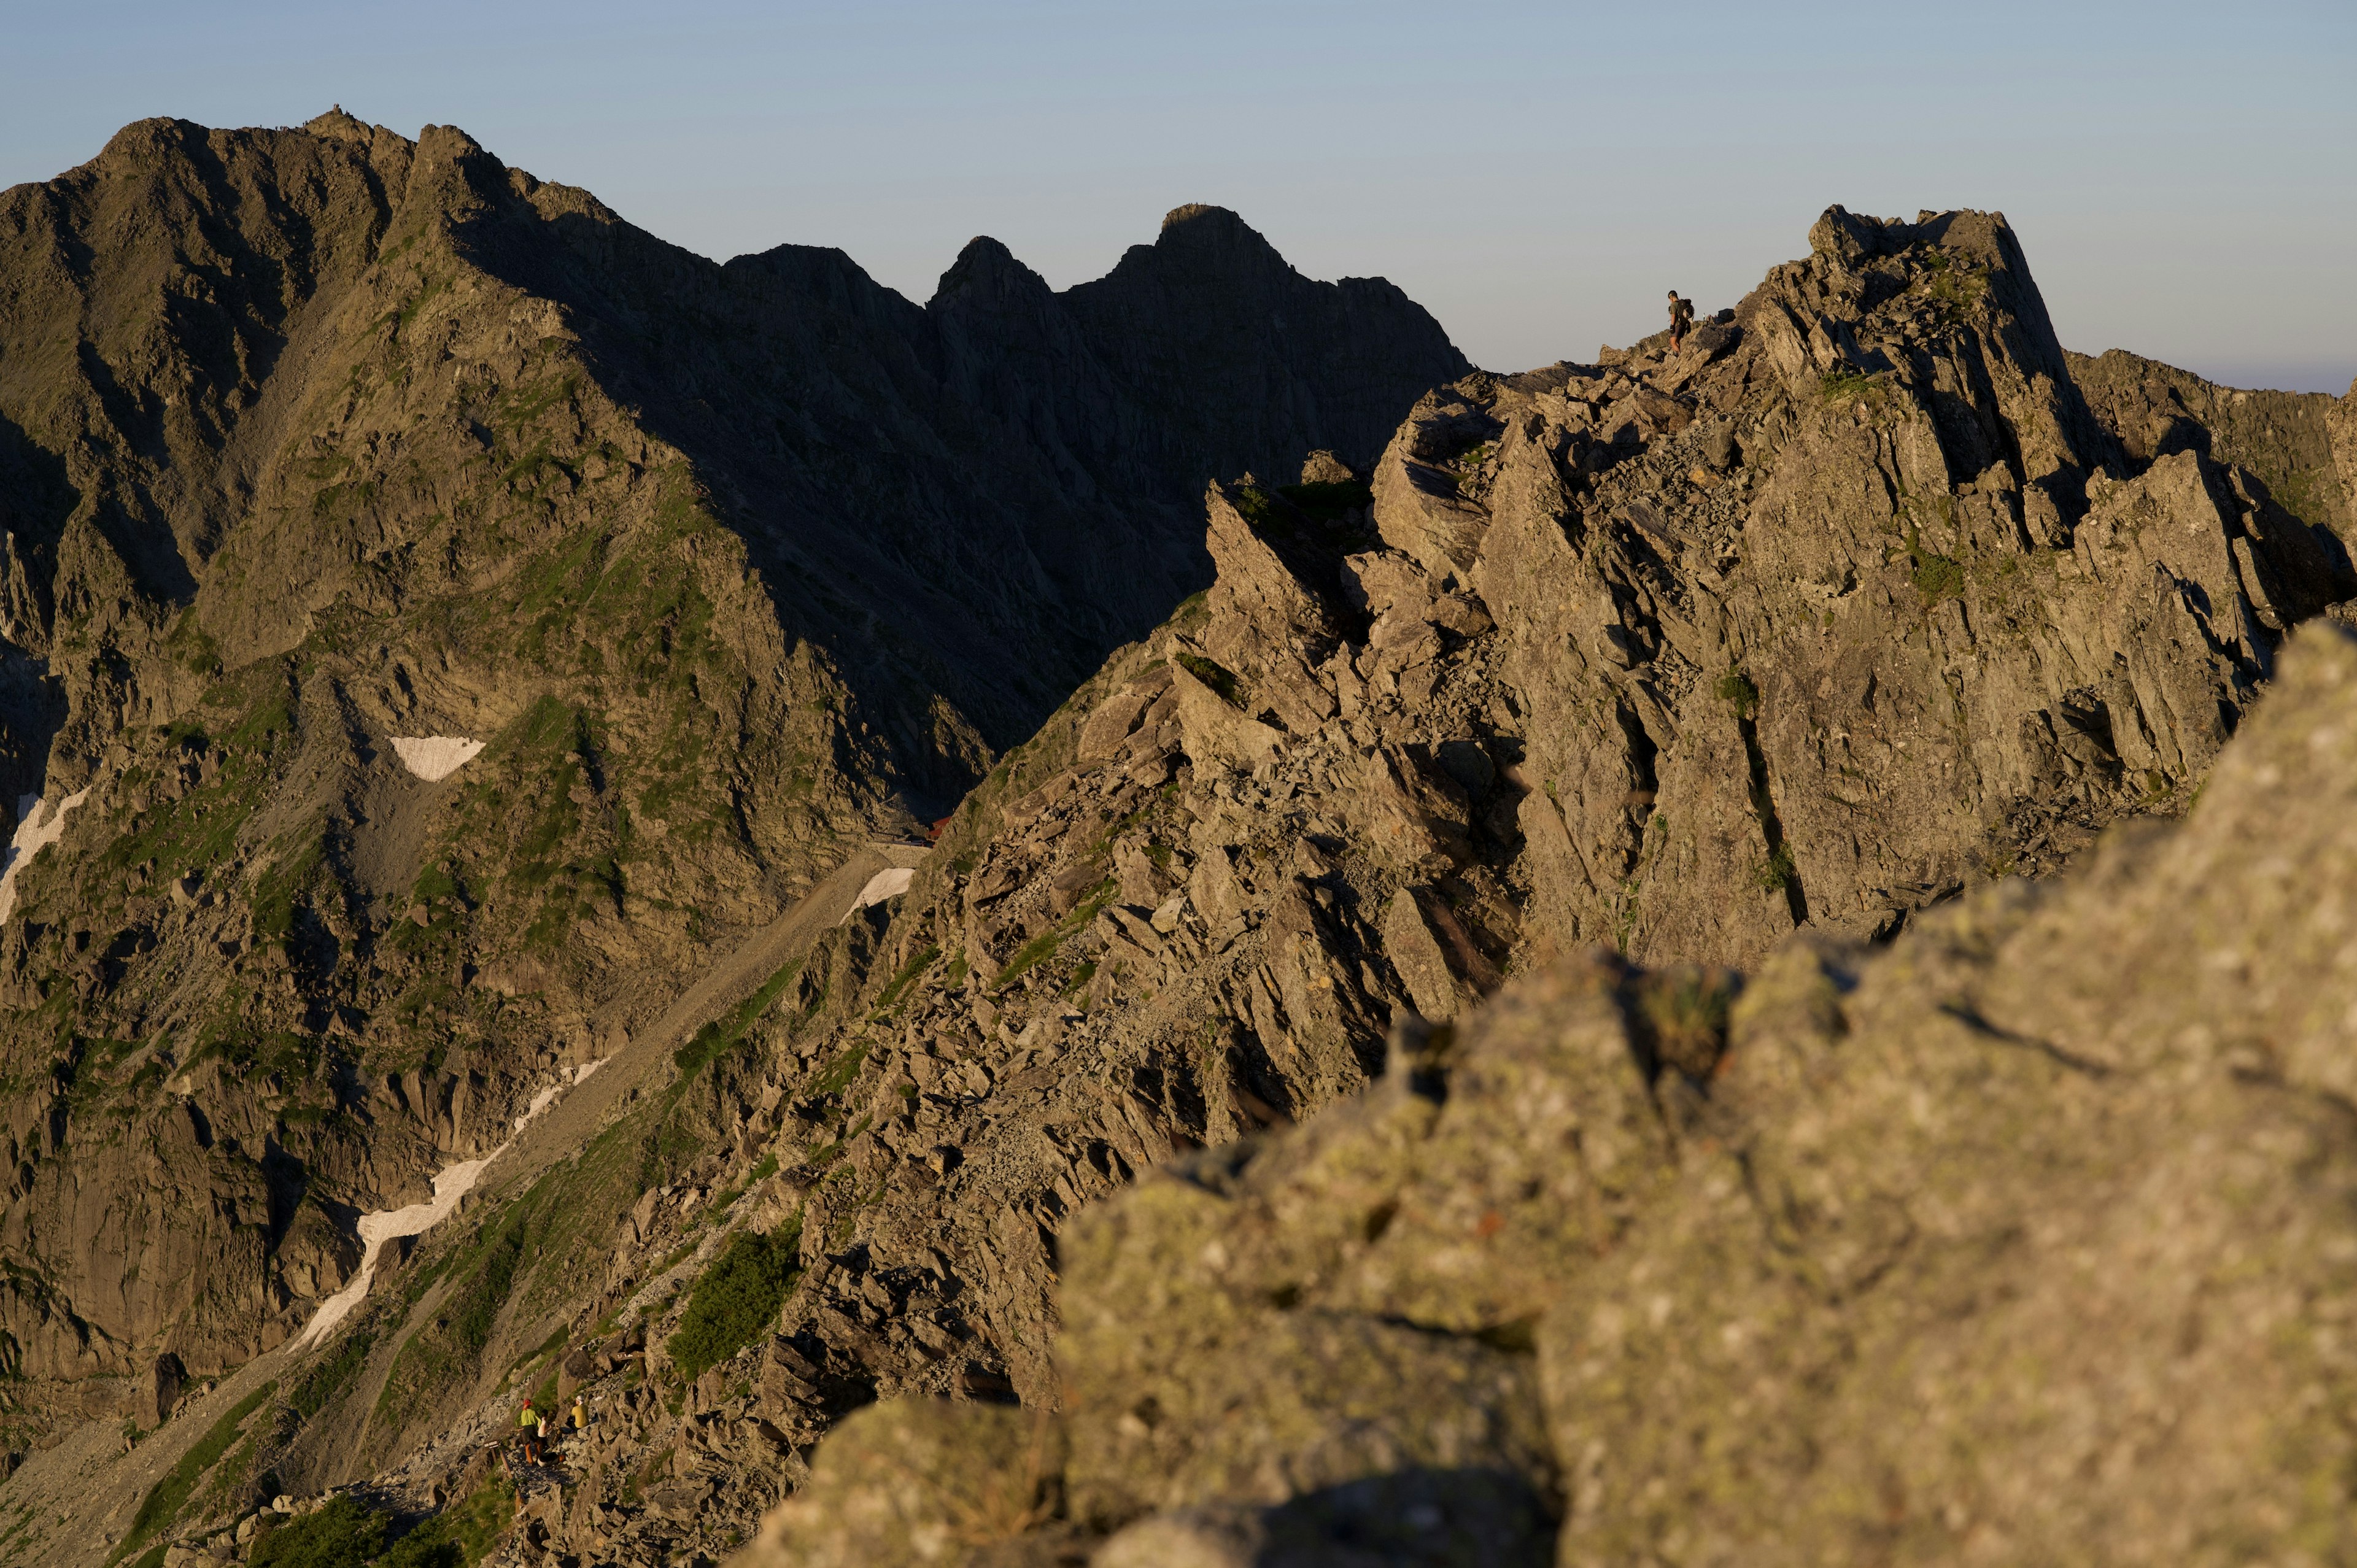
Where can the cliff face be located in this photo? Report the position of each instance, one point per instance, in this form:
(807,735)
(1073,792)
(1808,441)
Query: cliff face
(1749,658)
(1851,1264)
(316,442)
(2298,446)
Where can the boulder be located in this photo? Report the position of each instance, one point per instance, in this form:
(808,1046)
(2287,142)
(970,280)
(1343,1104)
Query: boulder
(1322,467)
(917,1481)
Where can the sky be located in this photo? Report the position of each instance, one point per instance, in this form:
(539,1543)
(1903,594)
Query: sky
(2184,177)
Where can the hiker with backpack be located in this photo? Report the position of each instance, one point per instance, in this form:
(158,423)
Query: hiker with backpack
(1681,319)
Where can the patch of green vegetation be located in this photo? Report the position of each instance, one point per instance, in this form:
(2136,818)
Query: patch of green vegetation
(328,1377)
(1843,384)
(1736,690)
(2300,491)
(672,1146)
(918,963)
(278,891)
(269,716)
(548,1346)
(164,1499)
(724,1033)
(430,287)
(341,500)
(1775,873)
(525,1259)
(1937,577)
(1624,924)
(228,1478)
(460,1536)
(764,1171)
(437,883)
(436,1354)
(192,648)
(737,1299)
(1039,949)
(1686,1009)
(532,466)
(549,725)
(199,829)
(1953,284)
(340,1535)
(841,1071)
(1262,509)
(532,399)
(1217,676)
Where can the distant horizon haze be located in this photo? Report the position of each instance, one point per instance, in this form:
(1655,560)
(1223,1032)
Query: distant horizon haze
(1537,176)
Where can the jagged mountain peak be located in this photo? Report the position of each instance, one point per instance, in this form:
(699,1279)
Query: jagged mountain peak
(324,451)
(986,269)
(1201,240)
(1201,226)
(337,124)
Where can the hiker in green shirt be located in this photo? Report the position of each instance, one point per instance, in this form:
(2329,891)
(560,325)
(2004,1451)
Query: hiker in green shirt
(1681,319)
(528,1425)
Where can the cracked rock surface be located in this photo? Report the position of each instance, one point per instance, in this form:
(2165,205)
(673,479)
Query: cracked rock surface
(1679,952)
(2056,1184)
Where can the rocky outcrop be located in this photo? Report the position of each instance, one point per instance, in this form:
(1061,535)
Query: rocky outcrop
(2056,1184)
(1710,649)
(2296,446)
(318,442)
(1874,613)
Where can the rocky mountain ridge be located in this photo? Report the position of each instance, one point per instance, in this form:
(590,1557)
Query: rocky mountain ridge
(313,442)
(1853,1260)
(1710,660)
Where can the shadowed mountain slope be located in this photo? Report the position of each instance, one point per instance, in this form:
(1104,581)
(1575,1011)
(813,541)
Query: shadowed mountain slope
(313,440)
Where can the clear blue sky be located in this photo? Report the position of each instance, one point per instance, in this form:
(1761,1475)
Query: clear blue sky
(2184,176)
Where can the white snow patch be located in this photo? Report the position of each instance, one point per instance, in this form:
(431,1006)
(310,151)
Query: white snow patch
(453,1183)
(435,756)
(390,1224)
(882,886)
(547,1096)
(33,835)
